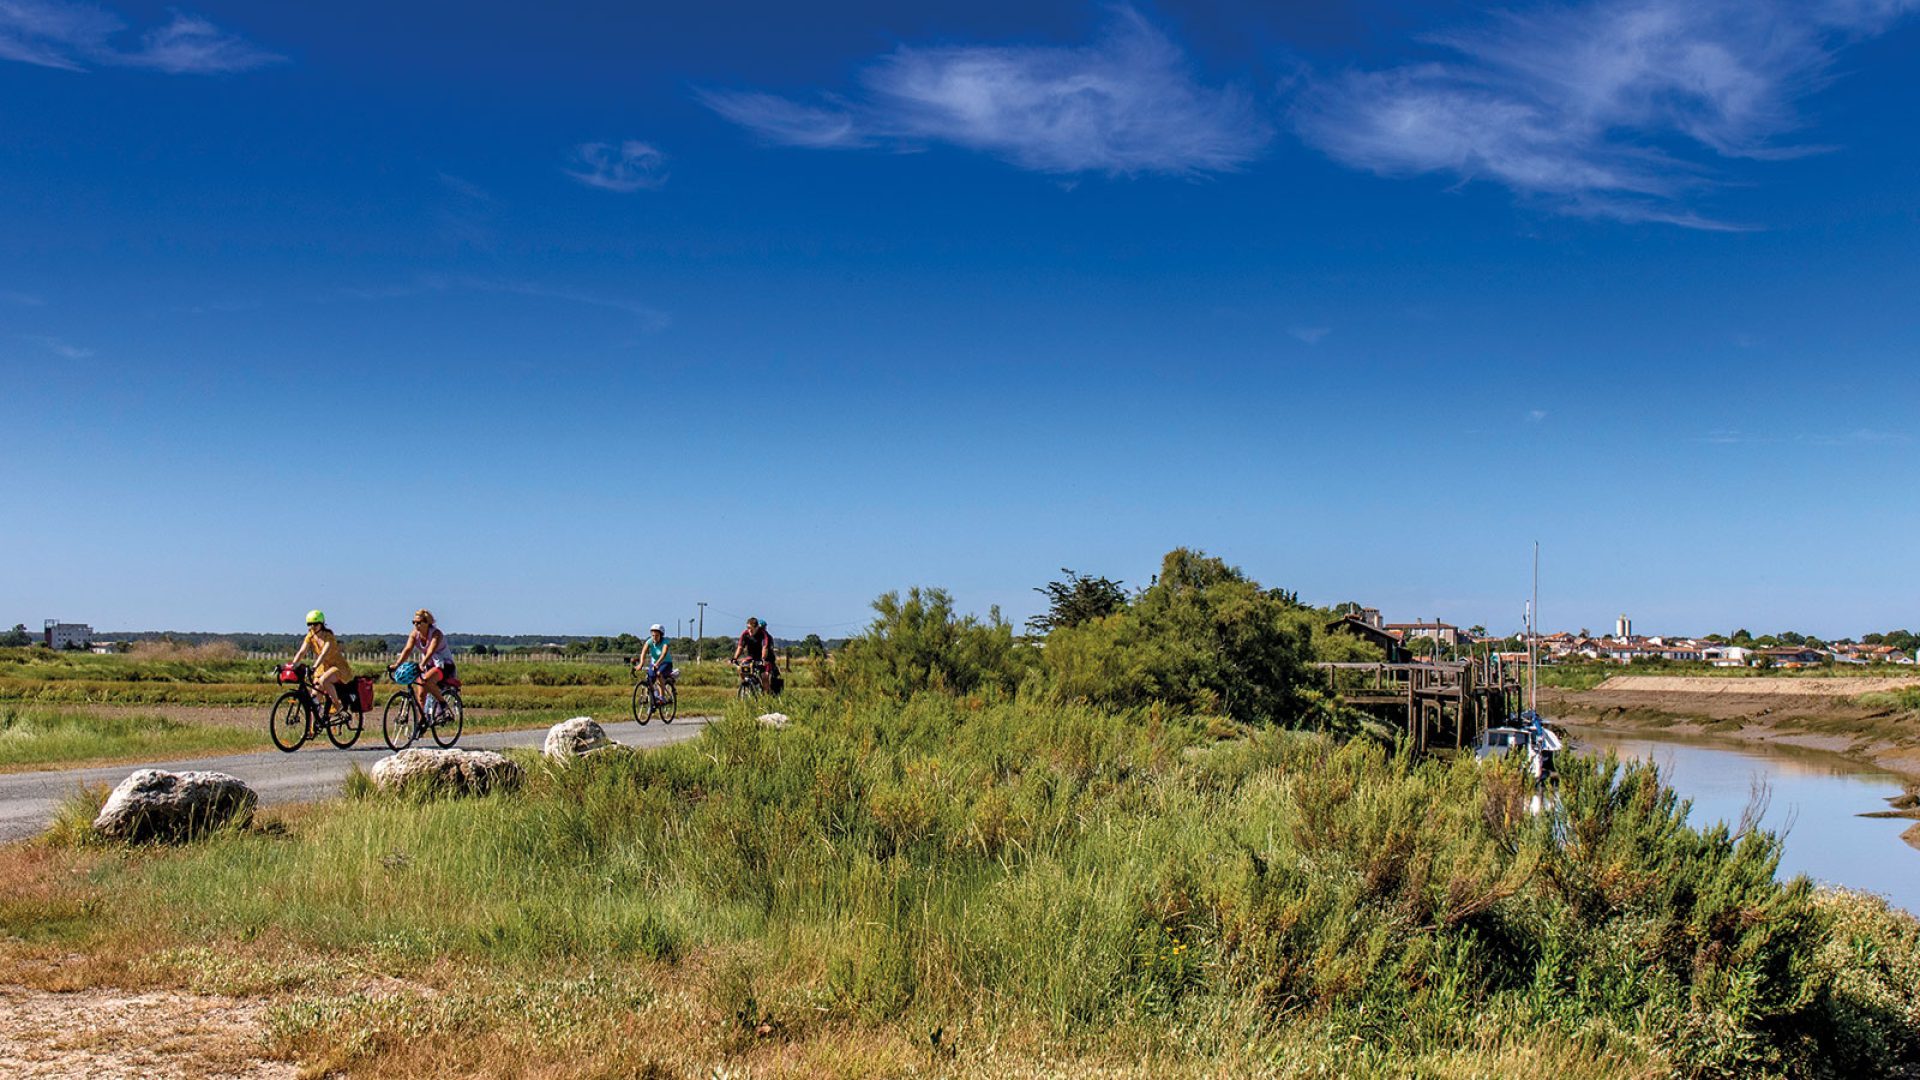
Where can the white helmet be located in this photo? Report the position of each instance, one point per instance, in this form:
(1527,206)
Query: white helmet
(656,626)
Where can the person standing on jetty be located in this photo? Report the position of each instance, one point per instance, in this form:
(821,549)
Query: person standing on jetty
(436,659)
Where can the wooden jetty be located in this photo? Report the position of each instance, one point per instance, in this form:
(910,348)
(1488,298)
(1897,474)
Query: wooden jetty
(1436,702)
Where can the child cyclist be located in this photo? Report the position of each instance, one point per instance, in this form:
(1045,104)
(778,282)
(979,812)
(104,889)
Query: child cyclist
(656,657)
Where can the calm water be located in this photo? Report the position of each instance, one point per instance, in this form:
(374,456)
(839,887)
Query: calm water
(1813,797)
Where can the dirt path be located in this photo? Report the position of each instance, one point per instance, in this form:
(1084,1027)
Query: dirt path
(93,1034)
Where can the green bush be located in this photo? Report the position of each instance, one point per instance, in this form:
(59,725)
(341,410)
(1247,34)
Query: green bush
(918,643)
(1203,638)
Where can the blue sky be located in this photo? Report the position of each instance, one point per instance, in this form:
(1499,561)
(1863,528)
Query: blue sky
(564,320)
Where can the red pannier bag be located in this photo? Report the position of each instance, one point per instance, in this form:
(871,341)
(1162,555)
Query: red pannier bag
(289,674)
(363,688)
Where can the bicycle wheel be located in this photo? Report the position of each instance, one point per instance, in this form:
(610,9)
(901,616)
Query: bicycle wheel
(749,688)
(453,717)
(344,729)
(669,705)
(642,708)
(399,724)
(288,724)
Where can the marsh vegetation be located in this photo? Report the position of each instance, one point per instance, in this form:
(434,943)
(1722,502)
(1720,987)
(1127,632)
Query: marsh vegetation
(969,856)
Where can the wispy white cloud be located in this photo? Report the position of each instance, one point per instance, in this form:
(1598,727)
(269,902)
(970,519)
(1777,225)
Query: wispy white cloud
(53,33)
(650,318)
(1612,108)
(1535,416)
(58,347)
(23,299)
(190,45)
(1855,437)
(78,36)
(1128,103)
(789,123)
(625,167)
(216,307)
(1725,437)
(1859,437)
(1312,335)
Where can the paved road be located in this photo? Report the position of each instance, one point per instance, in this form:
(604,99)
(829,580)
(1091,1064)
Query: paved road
(28,800)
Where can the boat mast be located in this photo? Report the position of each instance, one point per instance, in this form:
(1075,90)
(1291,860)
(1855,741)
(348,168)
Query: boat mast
(1533,638)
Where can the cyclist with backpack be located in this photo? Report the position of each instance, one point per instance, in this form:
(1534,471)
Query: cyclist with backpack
(436,660)
(330,667)
(756,647)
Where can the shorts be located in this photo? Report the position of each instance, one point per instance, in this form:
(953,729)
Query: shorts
(445,669)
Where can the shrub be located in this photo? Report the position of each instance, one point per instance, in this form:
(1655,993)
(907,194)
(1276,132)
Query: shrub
(918,644)
(1203,638)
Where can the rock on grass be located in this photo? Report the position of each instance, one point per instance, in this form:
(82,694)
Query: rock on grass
(154,804)
(572,738)
(447,772)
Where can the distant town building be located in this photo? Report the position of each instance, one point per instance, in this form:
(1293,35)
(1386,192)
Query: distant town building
(67,635)
(1445,633)
(1869,654)
(1623,627)
(1727,655)
(1795,656)
(1369,630)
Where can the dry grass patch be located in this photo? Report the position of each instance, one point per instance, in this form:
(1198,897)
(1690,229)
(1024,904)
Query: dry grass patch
(95,1033)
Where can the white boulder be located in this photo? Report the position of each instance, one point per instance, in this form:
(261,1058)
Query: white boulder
(774,719)
(572,738)
(451,772)
(154,804)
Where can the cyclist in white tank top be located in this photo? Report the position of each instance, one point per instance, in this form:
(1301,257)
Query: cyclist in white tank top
(436,658)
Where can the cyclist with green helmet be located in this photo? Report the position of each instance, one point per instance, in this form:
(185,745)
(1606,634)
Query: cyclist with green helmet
(330,668)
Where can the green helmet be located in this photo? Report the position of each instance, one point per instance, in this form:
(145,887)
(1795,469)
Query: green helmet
(316,616)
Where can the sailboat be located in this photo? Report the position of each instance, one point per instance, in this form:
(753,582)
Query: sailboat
(1530,735)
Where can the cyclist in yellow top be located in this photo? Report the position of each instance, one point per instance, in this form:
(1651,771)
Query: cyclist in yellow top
(330,667)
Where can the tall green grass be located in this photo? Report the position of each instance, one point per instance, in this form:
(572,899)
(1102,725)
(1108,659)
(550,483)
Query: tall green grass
(1105,879)
(41,736)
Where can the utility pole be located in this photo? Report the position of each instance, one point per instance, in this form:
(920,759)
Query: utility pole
(701,640)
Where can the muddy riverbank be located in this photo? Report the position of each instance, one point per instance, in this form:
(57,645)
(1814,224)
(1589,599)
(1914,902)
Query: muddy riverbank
(1839,715)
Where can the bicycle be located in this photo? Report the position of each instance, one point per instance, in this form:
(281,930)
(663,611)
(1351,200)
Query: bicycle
(404,719)
(300,714)
(750,672)
(659,696)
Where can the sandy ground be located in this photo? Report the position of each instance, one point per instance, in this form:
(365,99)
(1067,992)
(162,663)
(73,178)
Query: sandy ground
(1774,687)
(90,1034)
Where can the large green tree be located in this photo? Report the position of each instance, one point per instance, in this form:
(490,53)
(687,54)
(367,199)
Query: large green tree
(1203,636)
(1077,599)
